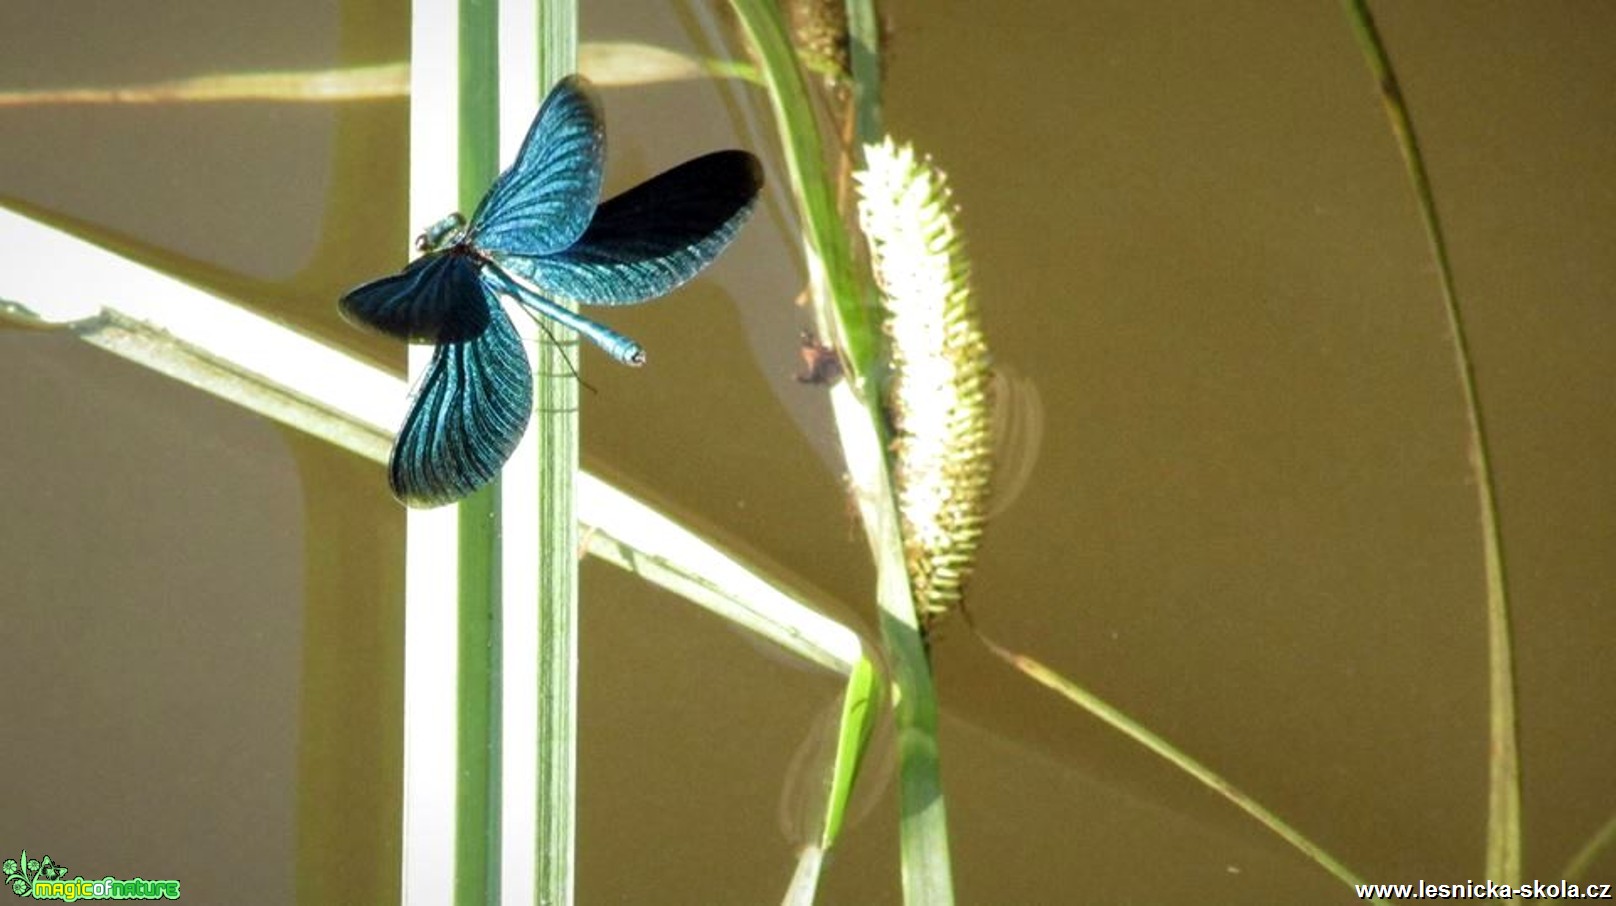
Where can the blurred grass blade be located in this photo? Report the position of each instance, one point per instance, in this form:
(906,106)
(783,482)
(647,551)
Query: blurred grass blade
(1098,707)
(353,83)
(606,63)
(1603,839)
(1504,770)
(623,63)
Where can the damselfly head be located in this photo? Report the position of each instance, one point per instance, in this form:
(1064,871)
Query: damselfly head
(445,232)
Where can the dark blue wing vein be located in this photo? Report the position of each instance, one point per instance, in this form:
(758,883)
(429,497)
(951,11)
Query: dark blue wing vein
(652,238)
(470,409)
(437,299)
(543,202)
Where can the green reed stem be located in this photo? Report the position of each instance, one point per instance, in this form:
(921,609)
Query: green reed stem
(842,301)
(479,729)
(827,246)
(864,59)
(1603,839)
(555,402)
(1504,770)
(1136,731)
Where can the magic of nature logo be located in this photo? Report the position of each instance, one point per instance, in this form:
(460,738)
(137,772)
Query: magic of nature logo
(46,879)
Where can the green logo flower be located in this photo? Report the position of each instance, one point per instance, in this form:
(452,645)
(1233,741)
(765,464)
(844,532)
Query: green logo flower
(22,873)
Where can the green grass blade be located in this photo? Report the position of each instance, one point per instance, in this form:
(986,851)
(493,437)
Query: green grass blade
(1603,839)
(841,302)
(624,531)
(555,402)
(478,691)
(864,58)
(1504,770)
(322,391)
(860,707)
(479,725)
(922,823)
(1120,721)
(433,810)
(825,240)
(927,865)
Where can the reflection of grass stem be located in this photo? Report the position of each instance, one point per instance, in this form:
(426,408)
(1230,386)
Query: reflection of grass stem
(1504,782)
(606,63)
(356,83)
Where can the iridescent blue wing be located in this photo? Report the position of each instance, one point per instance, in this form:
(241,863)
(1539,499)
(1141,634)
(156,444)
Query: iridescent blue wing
(437,299)
(470,409)
(543,202)
(652,238)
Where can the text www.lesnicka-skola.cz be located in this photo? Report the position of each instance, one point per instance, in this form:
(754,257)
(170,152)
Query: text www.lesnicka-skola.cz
(1484,890)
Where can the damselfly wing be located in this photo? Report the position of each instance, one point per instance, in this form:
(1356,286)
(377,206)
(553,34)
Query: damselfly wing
(536,237)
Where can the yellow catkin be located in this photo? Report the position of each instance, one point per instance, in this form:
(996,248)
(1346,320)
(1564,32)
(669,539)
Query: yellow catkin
(938,396)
